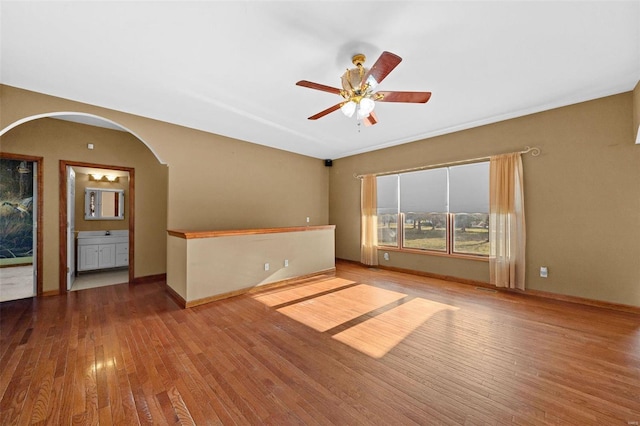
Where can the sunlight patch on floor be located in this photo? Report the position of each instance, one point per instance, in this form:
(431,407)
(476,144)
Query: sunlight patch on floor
(378,335)
(287,295)
(330,303)
(331,310)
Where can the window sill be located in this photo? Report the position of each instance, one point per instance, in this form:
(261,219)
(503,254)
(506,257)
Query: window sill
(434,253)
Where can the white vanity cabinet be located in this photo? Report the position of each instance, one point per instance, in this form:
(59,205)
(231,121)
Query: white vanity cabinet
(97,250)
(122,254)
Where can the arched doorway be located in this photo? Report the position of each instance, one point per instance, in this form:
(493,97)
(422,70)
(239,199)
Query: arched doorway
(18,141)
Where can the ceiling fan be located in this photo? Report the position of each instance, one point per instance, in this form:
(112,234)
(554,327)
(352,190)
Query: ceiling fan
(357,89)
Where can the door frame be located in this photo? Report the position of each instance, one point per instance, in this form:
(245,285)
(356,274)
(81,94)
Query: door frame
(71,270)
(39,191)
(62,225)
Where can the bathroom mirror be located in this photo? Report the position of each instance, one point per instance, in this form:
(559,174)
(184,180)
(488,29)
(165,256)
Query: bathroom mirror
(103,204)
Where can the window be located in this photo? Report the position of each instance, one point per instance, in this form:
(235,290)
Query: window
(442,210)
(469,207)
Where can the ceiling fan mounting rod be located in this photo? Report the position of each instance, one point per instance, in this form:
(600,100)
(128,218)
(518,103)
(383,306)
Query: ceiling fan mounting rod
(357,92)
(358,59)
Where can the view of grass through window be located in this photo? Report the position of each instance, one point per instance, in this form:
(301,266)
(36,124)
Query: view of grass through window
(471,233)
(443,209)
(426,231)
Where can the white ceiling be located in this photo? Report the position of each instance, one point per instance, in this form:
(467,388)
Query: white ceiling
(230,67)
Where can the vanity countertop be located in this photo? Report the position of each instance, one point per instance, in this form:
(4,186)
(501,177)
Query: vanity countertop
(101,237)
(95,234)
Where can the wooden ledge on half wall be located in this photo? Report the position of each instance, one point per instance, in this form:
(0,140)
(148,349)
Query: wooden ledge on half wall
(236,232)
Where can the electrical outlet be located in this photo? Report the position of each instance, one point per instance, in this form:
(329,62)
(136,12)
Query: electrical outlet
(286,263)
(266,266)
(386,256)
(544,272)
(307,219)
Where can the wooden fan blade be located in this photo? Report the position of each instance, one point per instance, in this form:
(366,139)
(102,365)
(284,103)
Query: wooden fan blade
(383,66)
(326,111)
(412,97)
(371,119)
(318,86)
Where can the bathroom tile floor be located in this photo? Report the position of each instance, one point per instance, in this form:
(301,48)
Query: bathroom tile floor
(100,279)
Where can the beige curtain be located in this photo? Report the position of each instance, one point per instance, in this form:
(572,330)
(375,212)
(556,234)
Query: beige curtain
(369,221)
(507,233)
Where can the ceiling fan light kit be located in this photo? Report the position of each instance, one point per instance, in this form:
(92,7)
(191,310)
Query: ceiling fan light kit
(357,89)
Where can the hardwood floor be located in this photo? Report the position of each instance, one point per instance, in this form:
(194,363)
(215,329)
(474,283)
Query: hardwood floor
(366,347)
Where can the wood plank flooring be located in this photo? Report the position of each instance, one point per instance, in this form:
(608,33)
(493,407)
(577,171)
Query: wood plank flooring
(365,347)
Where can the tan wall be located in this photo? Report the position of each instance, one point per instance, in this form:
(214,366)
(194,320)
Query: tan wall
(582,197)
(221,183)
(214,182)
(82,182)
(56,140)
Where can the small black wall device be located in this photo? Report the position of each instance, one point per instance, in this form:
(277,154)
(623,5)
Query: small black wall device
(328,163)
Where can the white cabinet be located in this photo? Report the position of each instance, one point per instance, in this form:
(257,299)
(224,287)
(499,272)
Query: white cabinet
(87,257)
(122,254)
(106,255)
(96,250)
